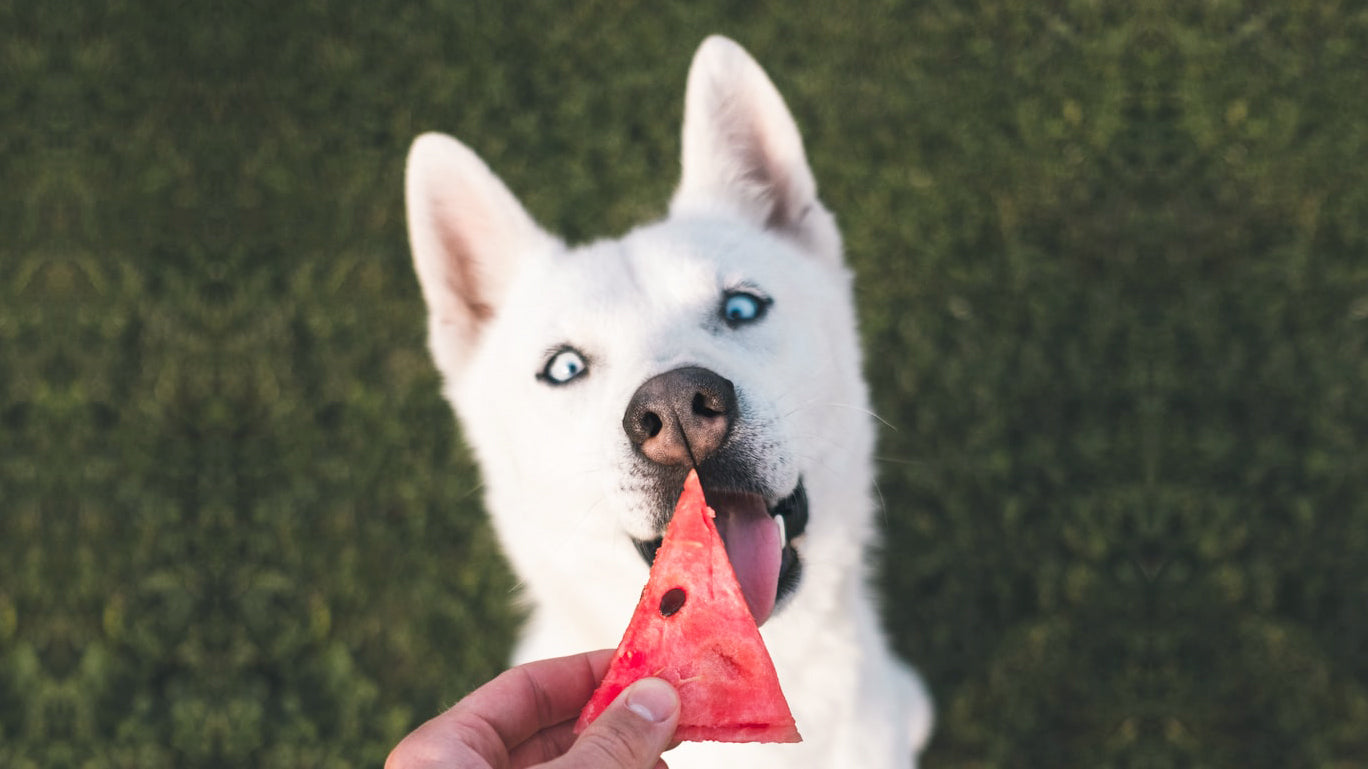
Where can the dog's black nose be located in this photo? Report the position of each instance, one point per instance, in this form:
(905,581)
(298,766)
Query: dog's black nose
(681,417)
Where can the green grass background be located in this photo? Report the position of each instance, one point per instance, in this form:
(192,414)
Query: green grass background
(1113,274)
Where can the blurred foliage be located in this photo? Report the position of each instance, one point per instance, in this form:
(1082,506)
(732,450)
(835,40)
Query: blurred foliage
(1113,266)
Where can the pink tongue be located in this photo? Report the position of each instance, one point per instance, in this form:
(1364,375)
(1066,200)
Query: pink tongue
(753,547)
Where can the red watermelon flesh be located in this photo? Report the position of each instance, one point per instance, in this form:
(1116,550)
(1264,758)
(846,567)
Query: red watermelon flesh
(694,629)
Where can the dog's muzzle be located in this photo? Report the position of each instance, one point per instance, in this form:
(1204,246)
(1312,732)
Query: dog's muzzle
(683,419)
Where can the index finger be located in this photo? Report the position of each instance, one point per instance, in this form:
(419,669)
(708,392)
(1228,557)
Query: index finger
(528,698)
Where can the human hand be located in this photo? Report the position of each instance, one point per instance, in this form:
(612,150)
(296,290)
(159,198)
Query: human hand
(525,717)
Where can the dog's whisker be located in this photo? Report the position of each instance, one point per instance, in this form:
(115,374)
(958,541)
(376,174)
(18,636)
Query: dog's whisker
(888,460)
(883,503)
(864,410)
(797,408)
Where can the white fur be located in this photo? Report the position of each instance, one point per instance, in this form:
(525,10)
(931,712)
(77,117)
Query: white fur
(503,295)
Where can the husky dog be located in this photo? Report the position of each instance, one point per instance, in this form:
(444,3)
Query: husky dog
(589,380)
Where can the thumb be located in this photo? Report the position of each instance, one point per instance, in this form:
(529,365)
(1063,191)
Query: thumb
(631,733)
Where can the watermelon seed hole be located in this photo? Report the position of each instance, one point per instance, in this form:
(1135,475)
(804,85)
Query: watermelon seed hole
(672,601)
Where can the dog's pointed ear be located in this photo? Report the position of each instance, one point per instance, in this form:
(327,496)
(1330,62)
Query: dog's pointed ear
(742,152)
(469,235)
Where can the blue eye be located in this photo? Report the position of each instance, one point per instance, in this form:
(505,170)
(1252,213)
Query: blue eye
(739,308)
(564,366)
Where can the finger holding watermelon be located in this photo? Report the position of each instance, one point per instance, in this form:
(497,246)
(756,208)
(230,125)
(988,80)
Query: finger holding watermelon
(524,718)
(691,667)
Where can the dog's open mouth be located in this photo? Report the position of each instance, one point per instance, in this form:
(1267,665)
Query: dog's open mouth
(760,544)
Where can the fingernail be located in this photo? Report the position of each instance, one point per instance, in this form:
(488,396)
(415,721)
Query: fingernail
(652,699)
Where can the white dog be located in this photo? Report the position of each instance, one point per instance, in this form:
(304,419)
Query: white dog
(589,380)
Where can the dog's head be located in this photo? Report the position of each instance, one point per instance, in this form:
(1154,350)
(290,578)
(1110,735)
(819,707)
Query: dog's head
(590,379)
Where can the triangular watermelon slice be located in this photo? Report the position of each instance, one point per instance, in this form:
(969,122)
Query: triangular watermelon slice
(693,629)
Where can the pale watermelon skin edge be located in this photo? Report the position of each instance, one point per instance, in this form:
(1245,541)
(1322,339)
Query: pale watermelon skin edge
(739,733)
